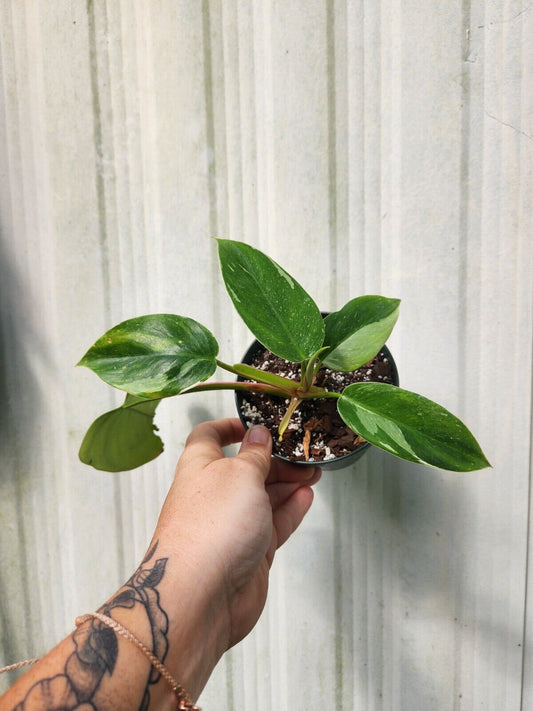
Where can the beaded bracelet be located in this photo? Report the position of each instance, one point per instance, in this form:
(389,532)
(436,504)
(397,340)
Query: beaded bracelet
(184,700)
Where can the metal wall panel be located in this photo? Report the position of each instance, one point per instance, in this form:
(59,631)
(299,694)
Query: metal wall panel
(370,147)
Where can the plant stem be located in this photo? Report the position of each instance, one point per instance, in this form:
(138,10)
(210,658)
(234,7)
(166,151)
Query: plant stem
(249,373)
(294,403)
(310,368)
(318,393)
(226,366)
(306,374)
(236,385)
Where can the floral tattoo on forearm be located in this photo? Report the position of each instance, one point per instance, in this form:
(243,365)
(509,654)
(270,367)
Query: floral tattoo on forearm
(96,647)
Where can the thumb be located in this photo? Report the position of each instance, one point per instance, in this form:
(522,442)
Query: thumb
(256,448)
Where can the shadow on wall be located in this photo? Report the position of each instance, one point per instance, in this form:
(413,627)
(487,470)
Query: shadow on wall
(19,345)
(198,414)
(18,430)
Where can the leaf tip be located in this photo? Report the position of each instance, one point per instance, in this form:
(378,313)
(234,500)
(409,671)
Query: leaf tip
(485,464)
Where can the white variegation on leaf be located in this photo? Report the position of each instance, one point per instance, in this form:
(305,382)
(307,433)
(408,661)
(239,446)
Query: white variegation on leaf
(276,309)
(357,332)
(156,356)
(410,426)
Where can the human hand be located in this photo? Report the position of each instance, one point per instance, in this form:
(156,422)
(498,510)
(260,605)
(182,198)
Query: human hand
(224,518)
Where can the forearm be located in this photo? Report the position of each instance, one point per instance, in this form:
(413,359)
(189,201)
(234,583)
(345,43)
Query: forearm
(96,667)
(199,590)
(69,677)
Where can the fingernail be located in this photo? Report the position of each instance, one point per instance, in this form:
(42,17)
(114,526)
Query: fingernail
(258,435)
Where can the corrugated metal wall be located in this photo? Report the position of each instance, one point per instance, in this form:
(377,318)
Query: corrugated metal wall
(367,146)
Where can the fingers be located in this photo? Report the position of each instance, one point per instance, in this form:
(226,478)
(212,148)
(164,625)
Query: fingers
(290,501)
(283,471)
(256,450)
(288,516)
(281,491)
(257,445)
(205,442)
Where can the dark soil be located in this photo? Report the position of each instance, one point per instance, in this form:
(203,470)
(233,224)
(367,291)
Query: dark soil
(316,431)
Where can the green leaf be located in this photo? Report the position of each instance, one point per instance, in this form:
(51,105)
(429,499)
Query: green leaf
(410,426)
(122,439)
(278,311)
(154,356)
(357,332)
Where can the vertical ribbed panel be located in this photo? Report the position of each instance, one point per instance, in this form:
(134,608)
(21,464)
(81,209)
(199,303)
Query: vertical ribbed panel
(370,147)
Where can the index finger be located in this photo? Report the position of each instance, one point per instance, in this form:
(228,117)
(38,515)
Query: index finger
(205,442)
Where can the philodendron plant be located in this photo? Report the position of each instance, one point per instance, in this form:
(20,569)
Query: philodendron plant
(157,356)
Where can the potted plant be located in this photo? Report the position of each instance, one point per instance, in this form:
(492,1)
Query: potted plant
(158,356)
(316,432)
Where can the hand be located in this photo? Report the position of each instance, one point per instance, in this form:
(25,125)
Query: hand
(227,517)
(233,513)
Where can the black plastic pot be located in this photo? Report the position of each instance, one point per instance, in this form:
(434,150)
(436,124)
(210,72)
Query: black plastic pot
(330,464)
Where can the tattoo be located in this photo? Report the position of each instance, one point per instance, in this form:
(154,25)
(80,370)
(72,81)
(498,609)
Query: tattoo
(96,648)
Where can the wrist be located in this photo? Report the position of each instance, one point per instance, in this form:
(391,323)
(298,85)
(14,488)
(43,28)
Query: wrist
(169,609)
(186,611)
(196,629)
